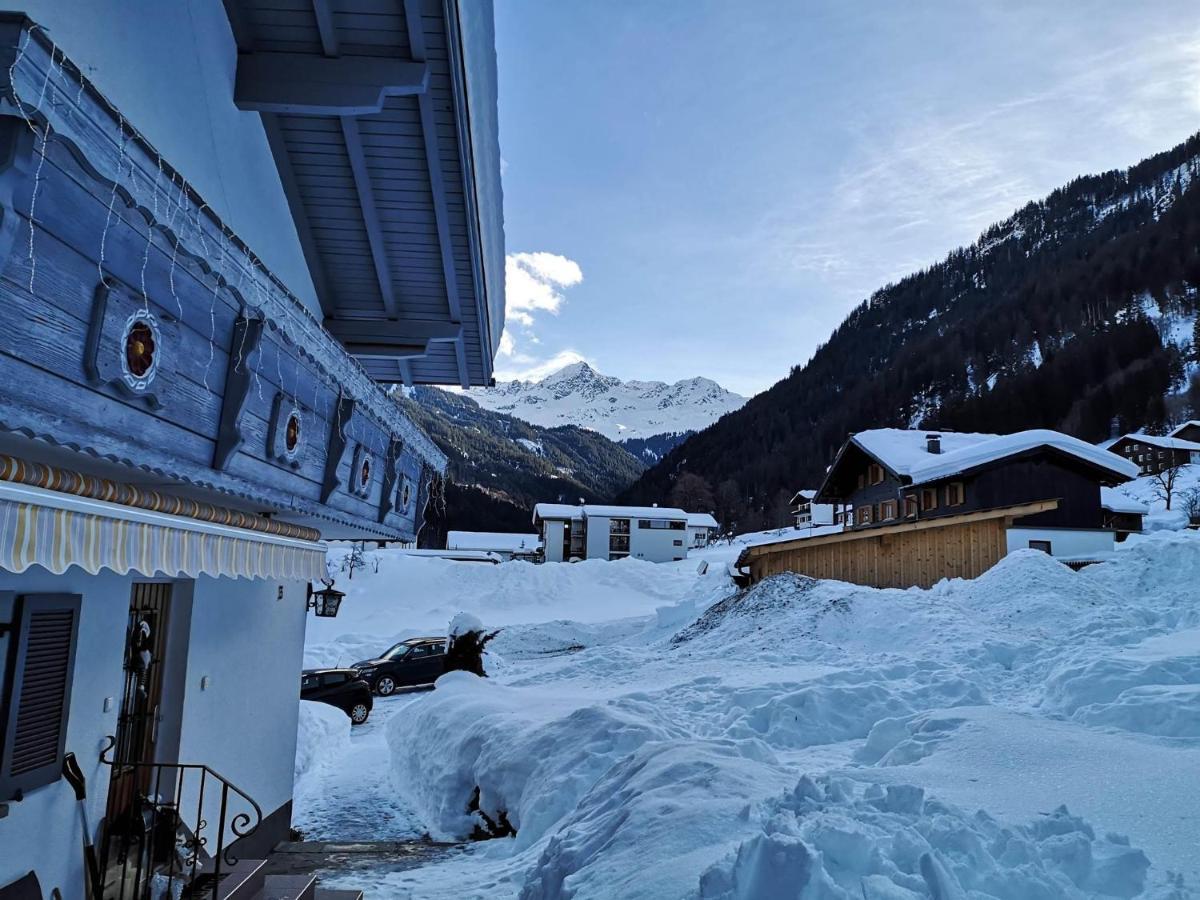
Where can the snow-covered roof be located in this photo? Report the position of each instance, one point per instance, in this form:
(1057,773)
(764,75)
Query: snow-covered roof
(556,511)
(905,451)
(484,556)
(1114,501)
(567,511)
(942,465)
(701,520)
(902,450)
(803,494)
(1166,442)
(1193,423)
(491,540)
(634,512)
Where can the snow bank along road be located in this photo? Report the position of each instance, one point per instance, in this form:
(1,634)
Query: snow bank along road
(650,732)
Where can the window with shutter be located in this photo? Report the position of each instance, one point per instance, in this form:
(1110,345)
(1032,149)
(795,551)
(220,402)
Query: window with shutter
(37,691)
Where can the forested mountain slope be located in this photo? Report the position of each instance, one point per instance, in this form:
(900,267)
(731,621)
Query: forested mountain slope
(1079,309)
(500,466)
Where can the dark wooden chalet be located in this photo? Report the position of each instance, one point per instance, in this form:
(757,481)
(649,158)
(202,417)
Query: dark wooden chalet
(922,507)
(1188,431)
(890,476)
(1153,453)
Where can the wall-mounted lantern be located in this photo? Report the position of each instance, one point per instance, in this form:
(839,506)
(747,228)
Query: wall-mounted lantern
(325,602)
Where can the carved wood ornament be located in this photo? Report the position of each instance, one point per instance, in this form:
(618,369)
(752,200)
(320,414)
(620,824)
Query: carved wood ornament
(285,437)
(247,333)
(343,414)
(131,344)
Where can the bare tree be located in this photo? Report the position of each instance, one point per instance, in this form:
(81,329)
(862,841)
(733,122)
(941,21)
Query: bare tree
(1164,482)
(729,499)
(692,493)
(1190,501)
(357,559)
(781,508)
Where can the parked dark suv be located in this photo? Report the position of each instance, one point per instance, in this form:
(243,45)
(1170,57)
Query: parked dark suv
(408,664)
(342,688)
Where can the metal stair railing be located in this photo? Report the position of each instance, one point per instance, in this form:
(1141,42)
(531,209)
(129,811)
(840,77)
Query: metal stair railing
(159,844)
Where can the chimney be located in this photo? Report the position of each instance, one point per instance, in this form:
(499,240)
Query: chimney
(933,443)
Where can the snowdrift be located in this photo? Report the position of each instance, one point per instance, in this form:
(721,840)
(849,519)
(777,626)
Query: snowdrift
(832,838)
(323,735)
(840,741)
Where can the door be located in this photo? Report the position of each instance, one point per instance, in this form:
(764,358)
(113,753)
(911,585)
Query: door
(425,664)
(141,700)
(434,661)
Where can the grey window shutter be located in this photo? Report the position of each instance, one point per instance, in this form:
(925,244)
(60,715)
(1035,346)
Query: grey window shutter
(37,695)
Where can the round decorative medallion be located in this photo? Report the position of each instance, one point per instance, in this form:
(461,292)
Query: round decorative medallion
(139,361)
(291,434)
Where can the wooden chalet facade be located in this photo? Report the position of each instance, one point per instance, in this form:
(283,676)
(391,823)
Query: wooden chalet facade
(180,428)
(973,498)
(809,514)
(1153,453)
(1188,431)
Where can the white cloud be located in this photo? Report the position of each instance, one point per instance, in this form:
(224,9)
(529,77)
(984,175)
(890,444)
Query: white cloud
(534,284)
(912,190)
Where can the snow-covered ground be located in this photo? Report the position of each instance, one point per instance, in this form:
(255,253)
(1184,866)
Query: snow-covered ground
(650,732)
(1148,490)
(343,792)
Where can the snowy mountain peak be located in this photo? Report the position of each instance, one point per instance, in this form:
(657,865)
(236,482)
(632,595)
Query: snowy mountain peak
(579,395)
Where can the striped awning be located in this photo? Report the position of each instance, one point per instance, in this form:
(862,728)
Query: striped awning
(40,527)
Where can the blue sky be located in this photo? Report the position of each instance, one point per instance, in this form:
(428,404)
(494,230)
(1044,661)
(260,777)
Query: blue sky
(696,187)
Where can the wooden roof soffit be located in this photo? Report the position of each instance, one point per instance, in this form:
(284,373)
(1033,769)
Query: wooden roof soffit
(305,85)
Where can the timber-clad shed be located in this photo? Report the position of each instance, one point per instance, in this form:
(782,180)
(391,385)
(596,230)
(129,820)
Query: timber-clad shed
(380,115)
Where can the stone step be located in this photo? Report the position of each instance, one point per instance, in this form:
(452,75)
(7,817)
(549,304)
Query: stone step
(243,881)
(289,887)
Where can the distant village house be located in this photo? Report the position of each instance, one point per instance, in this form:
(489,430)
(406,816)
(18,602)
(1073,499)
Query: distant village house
(808,514)
(1154,453)
(652,533)
(702,530)
(1188,431)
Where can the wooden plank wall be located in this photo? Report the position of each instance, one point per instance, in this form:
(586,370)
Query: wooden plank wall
(900,559)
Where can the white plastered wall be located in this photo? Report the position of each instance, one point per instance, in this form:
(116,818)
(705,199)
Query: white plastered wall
(43,832)
(242,643)
(1064,542)
(552,541)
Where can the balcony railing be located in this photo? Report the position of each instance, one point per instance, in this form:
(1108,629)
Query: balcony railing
(170,829)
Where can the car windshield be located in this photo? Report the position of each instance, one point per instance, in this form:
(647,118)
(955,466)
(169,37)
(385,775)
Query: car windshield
(396,652)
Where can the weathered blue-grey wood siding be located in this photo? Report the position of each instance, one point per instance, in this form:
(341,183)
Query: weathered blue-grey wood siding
(106,208)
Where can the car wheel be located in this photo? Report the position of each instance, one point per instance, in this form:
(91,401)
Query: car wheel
(386,686)
(359,713)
